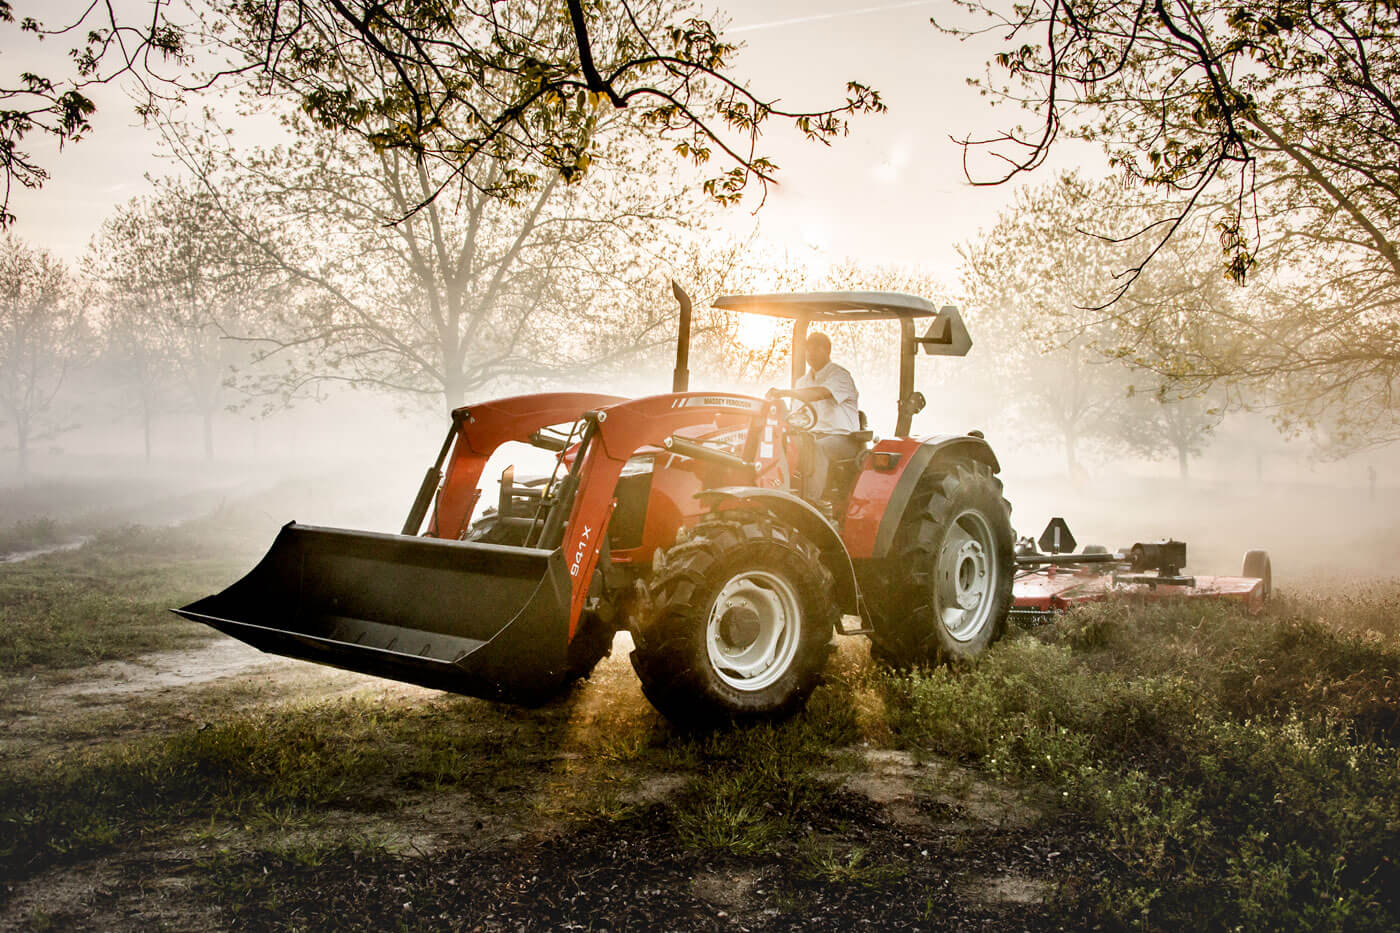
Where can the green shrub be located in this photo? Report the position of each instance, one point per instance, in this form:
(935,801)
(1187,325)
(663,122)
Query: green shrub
(1237,769)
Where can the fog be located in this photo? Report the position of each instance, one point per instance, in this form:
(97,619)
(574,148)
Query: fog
(355,459)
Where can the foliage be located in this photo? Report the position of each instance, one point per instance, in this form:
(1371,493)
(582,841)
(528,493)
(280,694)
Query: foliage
(458,81)
(523,86)
(61,107)
(1272,128)
(1226,793)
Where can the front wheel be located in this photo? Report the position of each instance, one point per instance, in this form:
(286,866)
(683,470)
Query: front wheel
(739,623)
(951,571)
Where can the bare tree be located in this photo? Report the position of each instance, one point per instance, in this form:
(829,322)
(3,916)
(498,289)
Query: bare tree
(1158,422)
(179,282)
(418,276)
(136,357)
(1275,128)
(42,324)
(1034,281)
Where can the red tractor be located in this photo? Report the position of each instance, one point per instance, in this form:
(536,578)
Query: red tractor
(674,516)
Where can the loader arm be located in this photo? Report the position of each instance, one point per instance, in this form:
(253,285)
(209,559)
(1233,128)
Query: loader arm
(616,433)
(476,618)
(482,428)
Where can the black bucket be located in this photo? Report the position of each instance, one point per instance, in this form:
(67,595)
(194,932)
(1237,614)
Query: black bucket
(480,619)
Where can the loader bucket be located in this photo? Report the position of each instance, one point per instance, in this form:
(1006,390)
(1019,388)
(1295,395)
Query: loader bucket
(480,619)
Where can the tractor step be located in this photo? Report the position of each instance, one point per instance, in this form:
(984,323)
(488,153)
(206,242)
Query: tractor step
(479,619)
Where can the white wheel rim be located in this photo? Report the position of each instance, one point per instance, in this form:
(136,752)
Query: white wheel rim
(966,576)
(752,633)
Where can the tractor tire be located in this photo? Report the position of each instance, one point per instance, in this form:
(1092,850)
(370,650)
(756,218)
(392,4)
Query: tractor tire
(487,530)
(1258,565)
(737,624)
(948,589)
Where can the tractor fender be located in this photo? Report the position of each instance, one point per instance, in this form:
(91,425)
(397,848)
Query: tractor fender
(803,516)
(930,452)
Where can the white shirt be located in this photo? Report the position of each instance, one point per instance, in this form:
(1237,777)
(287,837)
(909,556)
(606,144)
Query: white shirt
(840,413)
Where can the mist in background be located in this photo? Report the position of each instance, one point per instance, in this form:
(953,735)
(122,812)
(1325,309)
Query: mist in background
(355,458)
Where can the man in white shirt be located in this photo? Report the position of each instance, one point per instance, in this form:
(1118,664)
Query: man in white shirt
(830,390)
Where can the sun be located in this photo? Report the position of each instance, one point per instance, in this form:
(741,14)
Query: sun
(756,332)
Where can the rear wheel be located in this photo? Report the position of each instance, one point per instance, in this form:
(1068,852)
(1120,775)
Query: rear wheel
(951,570)
(739,623)
(1258,565)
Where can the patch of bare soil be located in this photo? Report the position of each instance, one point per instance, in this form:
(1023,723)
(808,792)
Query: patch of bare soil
(936,794)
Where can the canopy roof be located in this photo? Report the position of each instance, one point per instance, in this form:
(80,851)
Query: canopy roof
(831,306)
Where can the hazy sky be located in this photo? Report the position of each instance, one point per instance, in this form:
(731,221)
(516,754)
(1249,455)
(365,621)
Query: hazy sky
(893,192)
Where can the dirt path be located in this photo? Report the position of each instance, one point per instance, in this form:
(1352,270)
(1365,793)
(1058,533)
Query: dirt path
(58,714)
(14,557)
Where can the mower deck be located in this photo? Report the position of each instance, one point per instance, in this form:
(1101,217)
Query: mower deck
(1039,593)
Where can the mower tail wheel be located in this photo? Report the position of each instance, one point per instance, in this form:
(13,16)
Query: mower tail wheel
(738,625)
(949,587)
(1258,565)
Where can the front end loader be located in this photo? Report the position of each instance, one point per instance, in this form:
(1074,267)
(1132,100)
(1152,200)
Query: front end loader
(674,516)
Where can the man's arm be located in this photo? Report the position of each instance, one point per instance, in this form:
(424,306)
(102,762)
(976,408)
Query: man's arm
(808,394)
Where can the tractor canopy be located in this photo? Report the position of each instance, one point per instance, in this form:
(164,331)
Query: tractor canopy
(945,336)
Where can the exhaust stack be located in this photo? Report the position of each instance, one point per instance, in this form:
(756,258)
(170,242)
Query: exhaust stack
(680,380)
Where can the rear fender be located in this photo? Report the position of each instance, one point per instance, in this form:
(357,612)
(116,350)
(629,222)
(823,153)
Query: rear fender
(930,454)
(801,515)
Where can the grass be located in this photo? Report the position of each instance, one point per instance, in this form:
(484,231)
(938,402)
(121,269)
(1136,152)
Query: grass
(30,535)
(258,770)
(111,597)
(834,864)
(1240,772)
(753,786)
(1233,772)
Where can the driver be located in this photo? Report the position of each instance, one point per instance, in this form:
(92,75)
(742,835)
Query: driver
(831,391)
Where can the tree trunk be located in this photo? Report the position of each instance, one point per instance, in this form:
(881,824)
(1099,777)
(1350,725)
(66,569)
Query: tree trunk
(453,394)
(1071,461)
(208,435)
(22,448)
(1183,460)
(146,428)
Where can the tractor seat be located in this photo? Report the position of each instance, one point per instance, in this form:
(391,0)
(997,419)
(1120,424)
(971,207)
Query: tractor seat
(863,436)
(843,473)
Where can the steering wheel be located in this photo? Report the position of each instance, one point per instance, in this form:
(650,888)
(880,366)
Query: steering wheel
(802,416)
